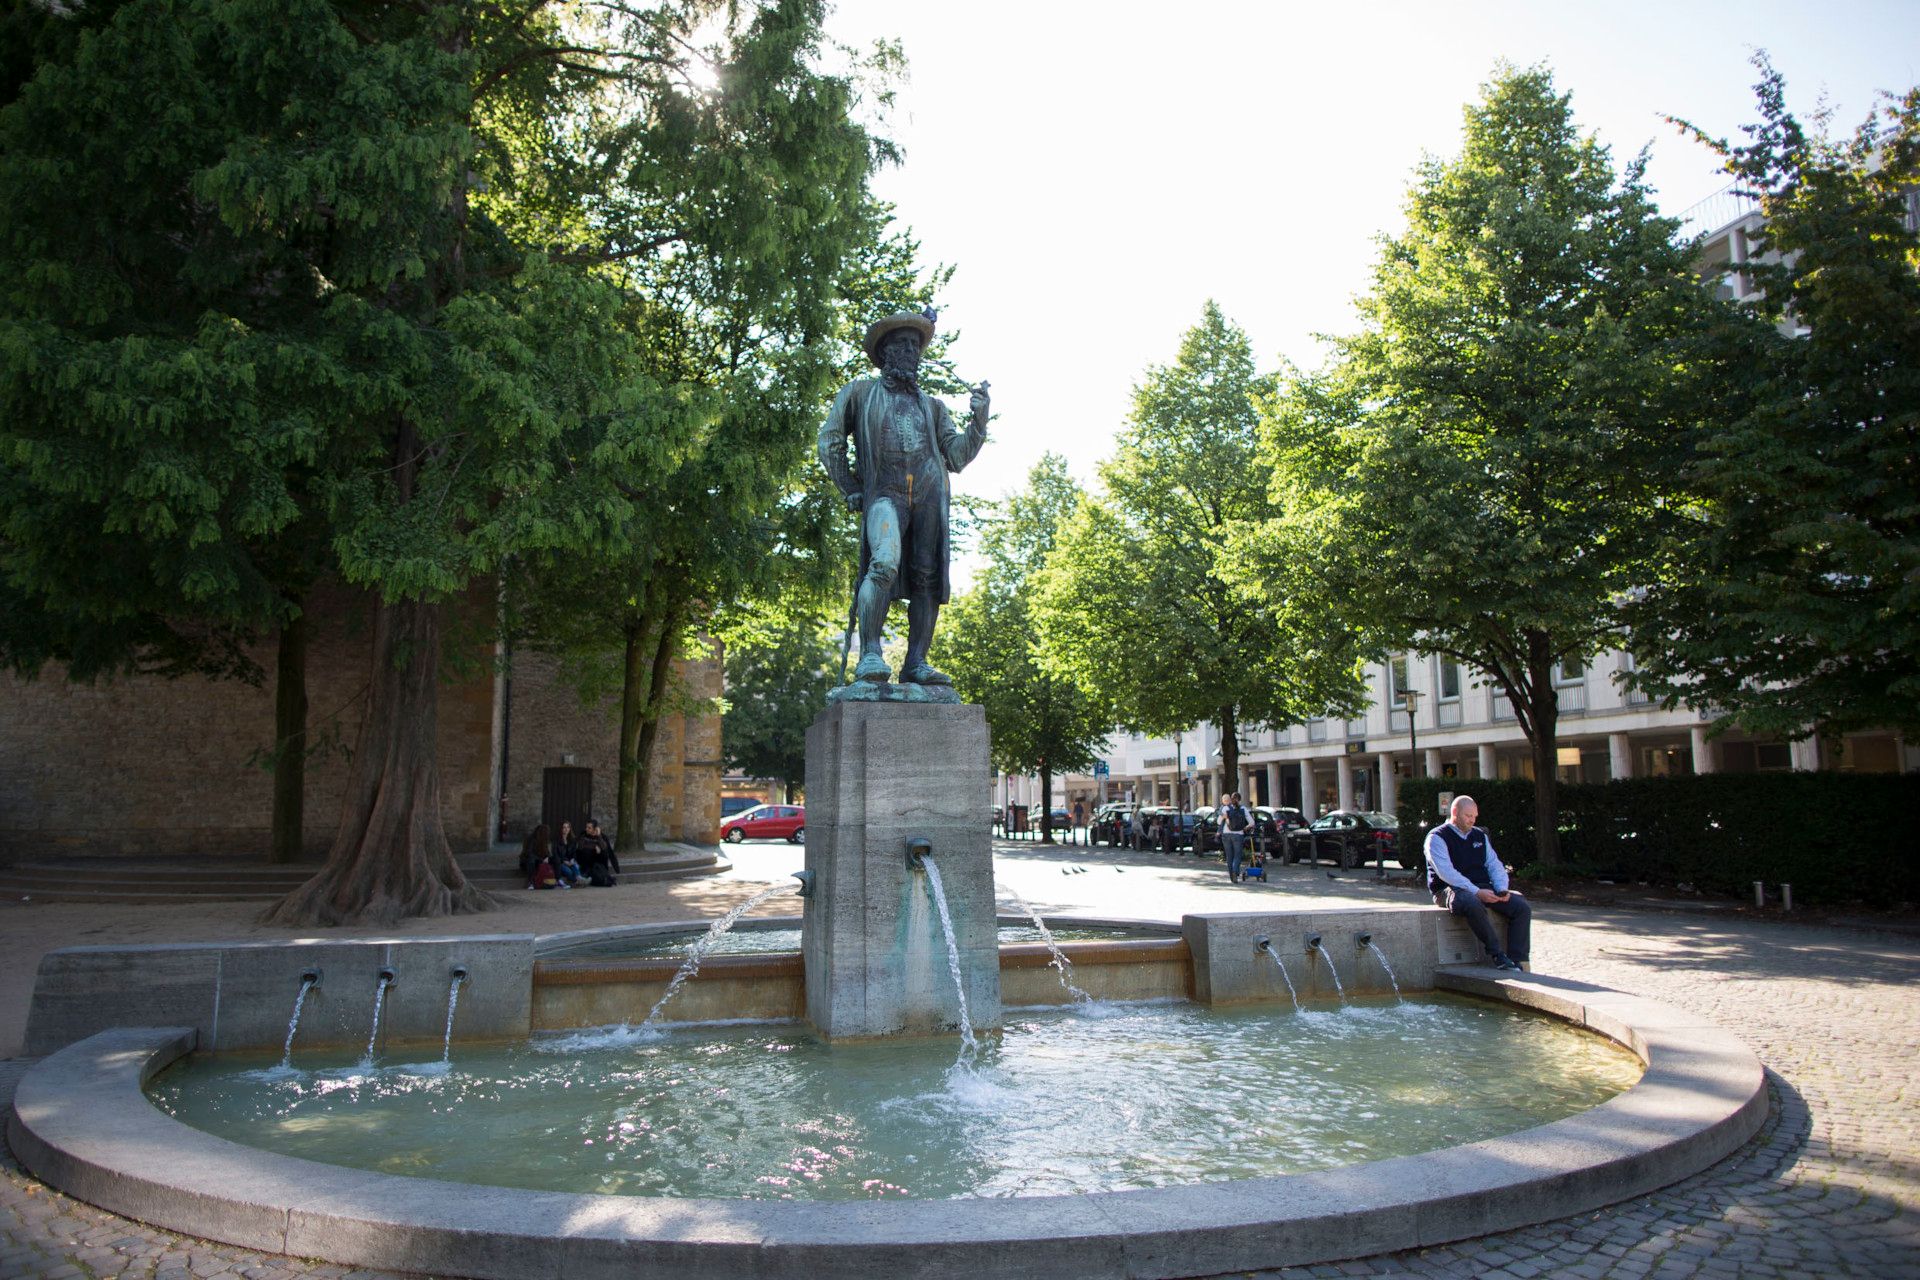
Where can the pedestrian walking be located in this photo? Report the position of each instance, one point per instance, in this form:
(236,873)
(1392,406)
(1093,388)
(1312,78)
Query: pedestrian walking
(1234,821)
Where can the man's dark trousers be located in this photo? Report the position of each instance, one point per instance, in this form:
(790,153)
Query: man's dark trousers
(1519,922)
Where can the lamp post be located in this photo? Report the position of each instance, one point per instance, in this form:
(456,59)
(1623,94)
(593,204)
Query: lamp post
(1412,698)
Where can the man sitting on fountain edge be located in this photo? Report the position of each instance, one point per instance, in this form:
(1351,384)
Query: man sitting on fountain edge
(1467,879)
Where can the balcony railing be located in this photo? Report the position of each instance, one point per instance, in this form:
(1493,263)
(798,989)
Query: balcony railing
(1724,207)
(1450,714)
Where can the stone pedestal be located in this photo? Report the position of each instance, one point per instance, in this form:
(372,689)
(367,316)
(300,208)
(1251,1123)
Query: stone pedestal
(880,774)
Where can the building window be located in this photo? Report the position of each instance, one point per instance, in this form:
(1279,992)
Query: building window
(1397,684)
(1572,671)
(1449,680)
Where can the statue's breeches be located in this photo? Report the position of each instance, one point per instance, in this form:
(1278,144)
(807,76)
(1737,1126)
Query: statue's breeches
(906,535)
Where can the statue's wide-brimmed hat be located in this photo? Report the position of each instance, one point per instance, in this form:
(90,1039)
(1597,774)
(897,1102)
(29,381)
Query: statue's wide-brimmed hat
(920,322)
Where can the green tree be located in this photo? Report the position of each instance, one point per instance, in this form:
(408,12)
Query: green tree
(1488,467)
(1040,722)
(776,686)
(1141,603)
(438,212)
(1793,600)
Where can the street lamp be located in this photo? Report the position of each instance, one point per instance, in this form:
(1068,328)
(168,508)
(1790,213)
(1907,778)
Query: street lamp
(1412,698)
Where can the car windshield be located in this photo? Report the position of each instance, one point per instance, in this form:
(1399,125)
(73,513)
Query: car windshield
(1381,819)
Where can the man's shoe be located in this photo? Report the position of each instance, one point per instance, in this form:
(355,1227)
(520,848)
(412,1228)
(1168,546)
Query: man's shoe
(922,673)
(873,668)
(1501,962)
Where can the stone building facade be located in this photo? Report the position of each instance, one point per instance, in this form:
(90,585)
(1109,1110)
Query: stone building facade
(146,766)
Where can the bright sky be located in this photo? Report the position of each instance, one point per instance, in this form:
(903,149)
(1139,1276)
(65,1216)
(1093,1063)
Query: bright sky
(1098,170)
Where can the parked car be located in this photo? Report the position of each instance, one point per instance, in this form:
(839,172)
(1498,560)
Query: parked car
(1111,824)
(1268,825)
(1351,837)
(766,822)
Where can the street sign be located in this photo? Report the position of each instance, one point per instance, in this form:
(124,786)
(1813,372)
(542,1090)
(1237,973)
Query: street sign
(1100,769)
(1191,761)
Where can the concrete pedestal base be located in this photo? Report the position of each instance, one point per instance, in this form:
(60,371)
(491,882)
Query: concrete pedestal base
(878,775)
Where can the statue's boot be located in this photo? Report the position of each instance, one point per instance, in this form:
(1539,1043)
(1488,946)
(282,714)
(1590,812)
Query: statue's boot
(873,668)
(922,613)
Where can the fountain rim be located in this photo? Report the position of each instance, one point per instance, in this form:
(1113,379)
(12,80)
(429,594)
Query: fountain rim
(82,1122)
(554,946)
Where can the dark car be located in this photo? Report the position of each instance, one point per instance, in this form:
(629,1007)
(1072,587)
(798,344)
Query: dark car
(1351,837)
(1268,824)
(1111,824)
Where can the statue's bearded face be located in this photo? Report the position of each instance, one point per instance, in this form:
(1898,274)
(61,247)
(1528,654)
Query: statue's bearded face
(900,356)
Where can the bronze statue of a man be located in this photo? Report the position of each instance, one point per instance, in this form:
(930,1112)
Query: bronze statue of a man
(905,442)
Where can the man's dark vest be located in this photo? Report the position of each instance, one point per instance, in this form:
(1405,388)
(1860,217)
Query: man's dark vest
(1469,854)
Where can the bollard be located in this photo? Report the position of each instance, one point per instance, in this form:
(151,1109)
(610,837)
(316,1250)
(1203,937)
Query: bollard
(1786,897)
(1759,893)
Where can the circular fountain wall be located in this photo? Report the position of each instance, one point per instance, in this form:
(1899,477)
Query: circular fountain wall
(83,1123)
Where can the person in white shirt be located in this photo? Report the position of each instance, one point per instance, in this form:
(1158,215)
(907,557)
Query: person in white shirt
(1467,879)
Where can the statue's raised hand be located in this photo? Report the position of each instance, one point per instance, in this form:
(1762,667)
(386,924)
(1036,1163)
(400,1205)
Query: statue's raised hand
(979,402)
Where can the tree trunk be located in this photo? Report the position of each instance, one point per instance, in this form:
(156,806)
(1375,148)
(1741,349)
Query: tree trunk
(627,833)
(1046,803)
(390,859)
(290,742)
(636,775)
(1544,712)
(1229,752)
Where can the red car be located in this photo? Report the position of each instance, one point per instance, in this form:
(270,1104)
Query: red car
(766,822)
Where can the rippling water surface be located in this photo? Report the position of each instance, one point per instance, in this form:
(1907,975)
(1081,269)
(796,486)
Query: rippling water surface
(1113,1097)
(758,941)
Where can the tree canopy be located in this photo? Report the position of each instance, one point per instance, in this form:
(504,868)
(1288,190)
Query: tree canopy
(1039,721)
(1488,467)
(1141,603)
(1792,601)
(412,269)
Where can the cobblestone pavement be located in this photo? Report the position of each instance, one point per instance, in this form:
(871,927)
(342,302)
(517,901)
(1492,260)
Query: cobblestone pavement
(1830,1187)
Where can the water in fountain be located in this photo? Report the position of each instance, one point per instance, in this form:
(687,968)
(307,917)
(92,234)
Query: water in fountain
(1060,962)
(703,944)
(307,982)
(373,1038)
(1381,956)
(969,1047)
(1286,978)
(453,999)
(1338,990)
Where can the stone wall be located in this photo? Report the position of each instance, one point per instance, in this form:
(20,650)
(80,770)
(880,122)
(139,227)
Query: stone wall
(145,766)
(550,726)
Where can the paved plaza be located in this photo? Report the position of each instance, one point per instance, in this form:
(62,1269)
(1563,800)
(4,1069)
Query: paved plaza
(1830,1187)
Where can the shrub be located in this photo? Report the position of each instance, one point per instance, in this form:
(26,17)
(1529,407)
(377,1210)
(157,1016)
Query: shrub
(1834,837)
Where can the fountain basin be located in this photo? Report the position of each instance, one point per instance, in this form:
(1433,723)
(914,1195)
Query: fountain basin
(82,1122)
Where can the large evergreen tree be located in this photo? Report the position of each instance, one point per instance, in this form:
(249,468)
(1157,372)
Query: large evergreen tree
(1488,467)
(1039,721)
(426,223)
(1793,600)
(1141,603)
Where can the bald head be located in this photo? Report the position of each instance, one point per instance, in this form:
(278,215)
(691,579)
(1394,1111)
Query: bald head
(1464,812)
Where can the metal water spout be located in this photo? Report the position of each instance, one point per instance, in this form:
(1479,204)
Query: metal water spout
(1313,942)
(310,977)
(1263,943)
(1363,940)
(806,879)
(917,850)
(388,977)
(459,974)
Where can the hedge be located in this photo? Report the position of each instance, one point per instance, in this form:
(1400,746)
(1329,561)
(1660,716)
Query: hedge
(1835,837)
